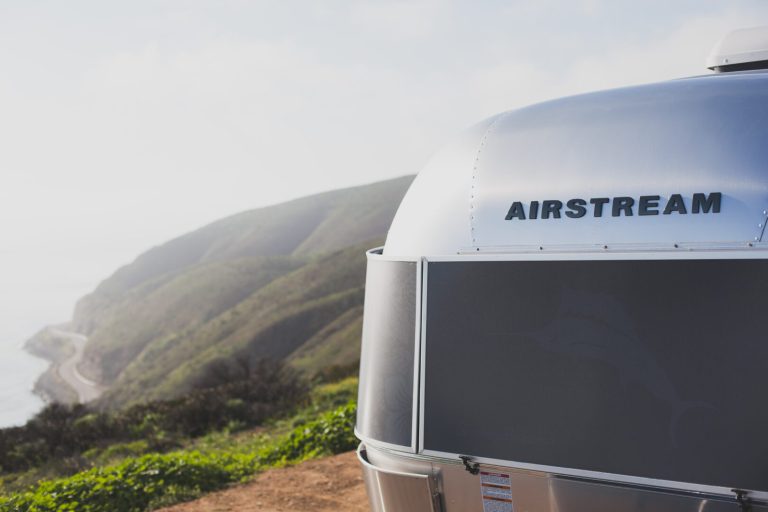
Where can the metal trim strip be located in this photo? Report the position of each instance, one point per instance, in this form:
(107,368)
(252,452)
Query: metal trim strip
(364,462)
(618,247)
(724,254)
(415,416)
(383,444)
(598,476)
(422,353)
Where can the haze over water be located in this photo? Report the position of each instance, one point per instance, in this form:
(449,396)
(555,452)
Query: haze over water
(18,372)
(28,302)
(126,124)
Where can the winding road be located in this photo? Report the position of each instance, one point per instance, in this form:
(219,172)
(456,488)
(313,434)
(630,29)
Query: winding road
(85,388)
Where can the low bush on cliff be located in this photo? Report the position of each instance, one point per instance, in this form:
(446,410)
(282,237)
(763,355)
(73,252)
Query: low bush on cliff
(68,432)
(139,483)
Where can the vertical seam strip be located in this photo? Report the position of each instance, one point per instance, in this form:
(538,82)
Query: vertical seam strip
(759,238)
(473,187)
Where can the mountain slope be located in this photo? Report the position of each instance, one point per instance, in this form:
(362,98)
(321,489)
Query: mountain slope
(272,323)
(282,282)
(172,304)
(309,225)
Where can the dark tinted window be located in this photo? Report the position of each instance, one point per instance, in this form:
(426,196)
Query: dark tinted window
(385,404)
(646,368)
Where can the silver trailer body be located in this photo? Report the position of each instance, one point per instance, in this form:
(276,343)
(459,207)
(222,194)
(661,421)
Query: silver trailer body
(567,314)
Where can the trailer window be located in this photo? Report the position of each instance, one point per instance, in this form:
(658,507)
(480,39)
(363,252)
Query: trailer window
(385,403)
(645,368)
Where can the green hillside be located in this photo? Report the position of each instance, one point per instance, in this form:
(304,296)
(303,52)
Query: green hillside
(281,282)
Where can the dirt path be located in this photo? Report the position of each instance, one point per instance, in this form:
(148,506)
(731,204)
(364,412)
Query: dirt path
(333,484)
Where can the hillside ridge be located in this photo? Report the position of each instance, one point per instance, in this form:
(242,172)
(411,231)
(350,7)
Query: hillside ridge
(280,282)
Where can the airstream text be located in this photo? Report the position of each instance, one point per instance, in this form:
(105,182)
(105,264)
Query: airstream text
(616,206)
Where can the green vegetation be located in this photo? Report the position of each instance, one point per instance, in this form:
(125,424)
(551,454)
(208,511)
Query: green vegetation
(283,282)
(62,432)
(209,346)
(141,482)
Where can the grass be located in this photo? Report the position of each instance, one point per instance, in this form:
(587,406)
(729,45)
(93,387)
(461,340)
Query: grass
(143,482)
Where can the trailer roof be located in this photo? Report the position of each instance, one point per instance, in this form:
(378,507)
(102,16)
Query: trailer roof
(636,146)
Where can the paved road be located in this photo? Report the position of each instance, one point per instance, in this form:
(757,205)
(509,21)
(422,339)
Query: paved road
(86,389)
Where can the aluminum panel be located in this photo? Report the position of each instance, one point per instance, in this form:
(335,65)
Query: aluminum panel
(387,361)
(698,135)
(390,490)
(540,491)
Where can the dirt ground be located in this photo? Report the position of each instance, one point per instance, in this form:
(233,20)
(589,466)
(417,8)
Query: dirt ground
(332,484)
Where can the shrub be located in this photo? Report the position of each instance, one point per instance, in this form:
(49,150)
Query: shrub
(139,483)
(134,484)
(332,433)
(265,390)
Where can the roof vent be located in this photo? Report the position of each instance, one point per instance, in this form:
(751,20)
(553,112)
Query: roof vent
(741,50)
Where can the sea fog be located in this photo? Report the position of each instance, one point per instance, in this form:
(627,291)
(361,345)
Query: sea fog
(18,372)
(30,299)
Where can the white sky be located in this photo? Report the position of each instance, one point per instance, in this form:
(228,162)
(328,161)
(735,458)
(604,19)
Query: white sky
(123,124)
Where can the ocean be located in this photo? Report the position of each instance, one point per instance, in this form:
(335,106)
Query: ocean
(31,297)
(18,372)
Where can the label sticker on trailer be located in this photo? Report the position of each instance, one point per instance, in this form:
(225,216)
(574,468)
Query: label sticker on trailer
(496,489)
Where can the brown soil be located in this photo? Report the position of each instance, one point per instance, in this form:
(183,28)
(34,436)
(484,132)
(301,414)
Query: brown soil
(333,484)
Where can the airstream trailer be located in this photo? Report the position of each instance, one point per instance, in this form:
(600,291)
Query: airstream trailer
(568,313)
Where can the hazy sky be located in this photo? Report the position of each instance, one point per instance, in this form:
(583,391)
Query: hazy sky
(123,124)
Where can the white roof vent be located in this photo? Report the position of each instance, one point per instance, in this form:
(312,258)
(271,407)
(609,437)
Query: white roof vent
(741,50)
